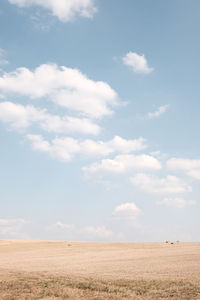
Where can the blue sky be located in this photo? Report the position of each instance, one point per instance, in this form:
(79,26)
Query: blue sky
(99,119)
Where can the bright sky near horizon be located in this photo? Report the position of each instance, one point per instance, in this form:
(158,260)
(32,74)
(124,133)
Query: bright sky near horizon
(99,120)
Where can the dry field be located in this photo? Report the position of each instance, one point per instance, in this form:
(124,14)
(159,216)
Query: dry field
(72,270)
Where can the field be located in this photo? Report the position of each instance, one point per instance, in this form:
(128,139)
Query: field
(74,270)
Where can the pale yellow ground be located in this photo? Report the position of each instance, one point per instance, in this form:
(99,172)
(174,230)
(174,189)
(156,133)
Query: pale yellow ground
(102,260)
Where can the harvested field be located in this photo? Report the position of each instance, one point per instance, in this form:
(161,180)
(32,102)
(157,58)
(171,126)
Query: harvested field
(73,270)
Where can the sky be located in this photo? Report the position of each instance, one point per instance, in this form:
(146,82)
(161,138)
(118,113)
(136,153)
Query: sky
(99,120)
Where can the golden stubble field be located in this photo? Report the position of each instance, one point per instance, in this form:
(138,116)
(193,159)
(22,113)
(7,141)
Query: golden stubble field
(75,270)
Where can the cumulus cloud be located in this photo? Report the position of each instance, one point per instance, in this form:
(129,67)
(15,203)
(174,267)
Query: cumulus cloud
(17,115)
(137,62)
(22,117)
(160,111)
(122,164)
(176,202)
(189,166)
(99,231)
(65,149)
(125,146)
(64,86)
(155,185)
(64,10)
(11,227)
(126,210)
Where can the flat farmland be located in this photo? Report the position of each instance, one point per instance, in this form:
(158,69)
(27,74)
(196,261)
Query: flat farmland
(84,270)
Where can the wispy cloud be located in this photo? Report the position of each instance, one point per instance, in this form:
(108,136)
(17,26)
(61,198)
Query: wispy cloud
(81,233)
(2,52)
(98,231)
(12,227)
(60,226)
(176,202)
(3,61)
(158,112)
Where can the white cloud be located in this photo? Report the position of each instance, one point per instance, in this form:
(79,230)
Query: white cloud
(183,164)
(17,115)
(64,10)
(39,143)
(65,149)
(117,144)
(22,117)
(126,210)
(176,202)
(155,185)
(99,231)
(70,125)
(160,111)
(64,86)
(190,166)
(126,146)
(122,164)
(195,173)
(11,227)
(137,62)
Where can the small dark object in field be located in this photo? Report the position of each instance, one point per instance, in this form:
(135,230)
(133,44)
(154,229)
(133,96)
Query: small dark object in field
(68,244)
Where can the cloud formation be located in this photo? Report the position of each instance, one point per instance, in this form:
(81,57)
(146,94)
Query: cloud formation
(22,117)
(127,210)
(122,164)
(64,10)
(64,86)
(190,167)
(176,202)
(64,149)
(155,185)
(137,62)
(160,111)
